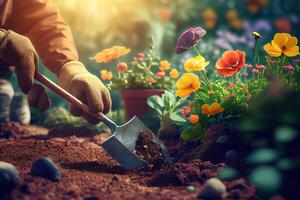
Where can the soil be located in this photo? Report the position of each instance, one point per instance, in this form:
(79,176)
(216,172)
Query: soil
(88,172)
(149,151)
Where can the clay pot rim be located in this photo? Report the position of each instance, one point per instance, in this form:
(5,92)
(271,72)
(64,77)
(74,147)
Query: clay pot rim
(140,93)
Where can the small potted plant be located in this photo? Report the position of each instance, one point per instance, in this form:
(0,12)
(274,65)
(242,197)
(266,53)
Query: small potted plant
(146,75)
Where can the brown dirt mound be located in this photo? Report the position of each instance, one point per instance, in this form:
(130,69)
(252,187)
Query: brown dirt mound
(182,174)
(13,130)
(149,151)
(240,189)
(88,172)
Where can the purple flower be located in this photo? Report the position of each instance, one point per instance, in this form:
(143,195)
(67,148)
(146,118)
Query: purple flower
(189,38)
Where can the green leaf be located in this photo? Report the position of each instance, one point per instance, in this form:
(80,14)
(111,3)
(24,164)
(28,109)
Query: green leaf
(262,156)
(177,119)
(266,179)
(168,100)
(156,103)
(191,133)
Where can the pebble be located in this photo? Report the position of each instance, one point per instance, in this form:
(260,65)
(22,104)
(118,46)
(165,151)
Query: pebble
(46,168)
(190,188)
(224,139)
(213,188)
(231,157)
(9,177)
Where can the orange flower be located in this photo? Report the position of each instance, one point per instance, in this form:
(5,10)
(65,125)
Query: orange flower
(231,62)
(212,109)
(164,65)
(187,84)
(122,67)
(246,90)
(106,75)
(151,80)
(174,73)
(160,74)
(164,14)
(107,55)
(194,119)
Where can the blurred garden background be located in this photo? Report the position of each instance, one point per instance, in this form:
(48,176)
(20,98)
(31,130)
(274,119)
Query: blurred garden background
(99,24)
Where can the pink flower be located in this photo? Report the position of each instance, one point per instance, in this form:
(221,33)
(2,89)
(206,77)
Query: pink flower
(272,62)
(255,71)
(246,74)
(248,66)
(135,59)
(141,55)
(296,60)
(288,67)
(260,66)
(210,92)
(160,74)
(230,87)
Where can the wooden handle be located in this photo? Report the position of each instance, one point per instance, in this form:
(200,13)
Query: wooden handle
(64,94)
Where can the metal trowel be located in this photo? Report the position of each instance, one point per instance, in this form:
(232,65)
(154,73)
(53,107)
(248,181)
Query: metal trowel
(121,144)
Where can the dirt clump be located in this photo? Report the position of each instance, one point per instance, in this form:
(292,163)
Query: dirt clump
(240,189)
(13,130)
(149,151)
(182,174)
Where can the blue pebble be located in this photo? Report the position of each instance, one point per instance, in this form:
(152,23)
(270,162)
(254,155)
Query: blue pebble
(231,157)
(224,139)
(190,188)
(46,168)
(9,178)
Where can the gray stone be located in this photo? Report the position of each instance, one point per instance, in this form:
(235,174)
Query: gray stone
(19,109)
(9,178)
(6,96)
(213,188)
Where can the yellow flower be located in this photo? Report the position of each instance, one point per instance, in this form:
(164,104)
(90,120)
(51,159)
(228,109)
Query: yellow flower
(212,109)
(108,55)
(164,65)
(106,75)
(283,43)
(174,73)
(187,84)
(197,63)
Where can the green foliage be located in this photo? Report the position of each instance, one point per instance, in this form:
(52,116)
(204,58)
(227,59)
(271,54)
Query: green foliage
(60,117)
(194,132)
(168,108)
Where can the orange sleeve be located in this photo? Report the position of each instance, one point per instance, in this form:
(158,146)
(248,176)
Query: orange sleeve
(41,22)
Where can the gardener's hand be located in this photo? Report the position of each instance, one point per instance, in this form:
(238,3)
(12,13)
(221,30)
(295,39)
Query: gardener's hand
(17,50)
(74,78)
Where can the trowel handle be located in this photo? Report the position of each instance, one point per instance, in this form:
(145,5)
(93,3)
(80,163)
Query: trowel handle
(73,100)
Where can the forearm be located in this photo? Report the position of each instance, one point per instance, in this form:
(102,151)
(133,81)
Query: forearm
(50,35)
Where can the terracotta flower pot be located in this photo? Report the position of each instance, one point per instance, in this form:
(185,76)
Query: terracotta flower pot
(135,100)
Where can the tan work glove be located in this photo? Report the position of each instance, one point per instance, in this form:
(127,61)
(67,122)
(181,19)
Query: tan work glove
(17,50)
(75,78)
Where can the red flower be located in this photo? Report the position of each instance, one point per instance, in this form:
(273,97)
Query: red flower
(246,74)
(230,87)
(160,74)
(231,62)
(186,111)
